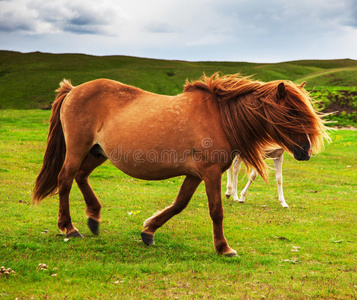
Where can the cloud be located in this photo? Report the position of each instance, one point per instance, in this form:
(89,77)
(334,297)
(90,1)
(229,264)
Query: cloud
(160,28)
(277,16)
(256,30)
(351,19)
(10,24)
(39,16)
(14,17)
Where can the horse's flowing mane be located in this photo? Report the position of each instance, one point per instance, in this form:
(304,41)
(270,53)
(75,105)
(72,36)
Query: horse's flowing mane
(256,117)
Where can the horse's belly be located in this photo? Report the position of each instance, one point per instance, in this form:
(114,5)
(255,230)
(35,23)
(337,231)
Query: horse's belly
(152,163)
(151,172)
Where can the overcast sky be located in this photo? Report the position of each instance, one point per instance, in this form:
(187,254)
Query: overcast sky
(194,30)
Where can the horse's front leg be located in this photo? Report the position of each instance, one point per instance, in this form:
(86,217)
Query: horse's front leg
(187,189)
(236,169)
(213,189)
(278,164)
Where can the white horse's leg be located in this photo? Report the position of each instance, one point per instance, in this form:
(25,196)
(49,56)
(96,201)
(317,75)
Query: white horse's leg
(278,163)
(229,183)
(244,192)
(236,168)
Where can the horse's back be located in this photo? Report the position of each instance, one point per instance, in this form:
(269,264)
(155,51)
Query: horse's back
(96,91)
(88,104)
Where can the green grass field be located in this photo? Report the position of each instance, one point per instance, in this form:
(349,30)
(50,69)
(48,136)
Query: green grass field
(306,251)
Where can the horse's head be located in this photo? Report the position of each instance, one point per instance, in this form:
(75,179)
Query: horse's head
(257,116)
(296,125)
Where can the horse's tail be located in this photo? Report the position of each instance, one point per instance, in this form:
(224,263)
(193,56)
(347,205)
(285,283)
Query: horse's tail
(47,179)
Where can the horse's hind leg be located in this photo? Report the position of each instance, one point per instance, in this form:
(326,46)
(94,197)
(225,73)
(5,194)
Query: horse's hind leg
(69,169)
(244,192)
(187,189)
(93,205)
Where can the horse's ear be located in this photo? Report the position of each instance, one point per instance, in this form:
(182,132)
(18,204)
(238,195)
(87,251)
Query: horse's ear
(302,85)
(281,90)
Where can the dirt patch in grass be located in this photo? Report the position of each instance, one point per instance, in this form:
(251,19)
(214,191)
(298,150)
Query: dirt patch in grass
(340,103)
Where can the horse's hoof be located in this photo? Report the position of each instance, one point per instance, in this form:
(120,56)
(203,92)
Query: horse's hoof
(228,196)
(231,253)
(93,226)
(74,234)
(147,238)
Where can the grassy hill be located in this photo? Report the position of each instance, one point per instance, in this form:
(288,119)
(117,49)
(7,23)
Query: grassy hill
(28,80)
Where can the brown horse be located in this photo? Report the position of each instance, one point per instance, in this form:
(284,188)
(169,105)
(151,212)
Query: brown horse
(154,137)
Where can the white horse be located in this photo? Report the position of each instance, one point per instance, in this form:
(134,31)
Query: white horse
(277,156)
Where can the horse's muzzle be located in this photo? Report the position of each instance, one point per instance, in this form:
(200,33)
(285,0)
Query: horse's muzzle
(303,153)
